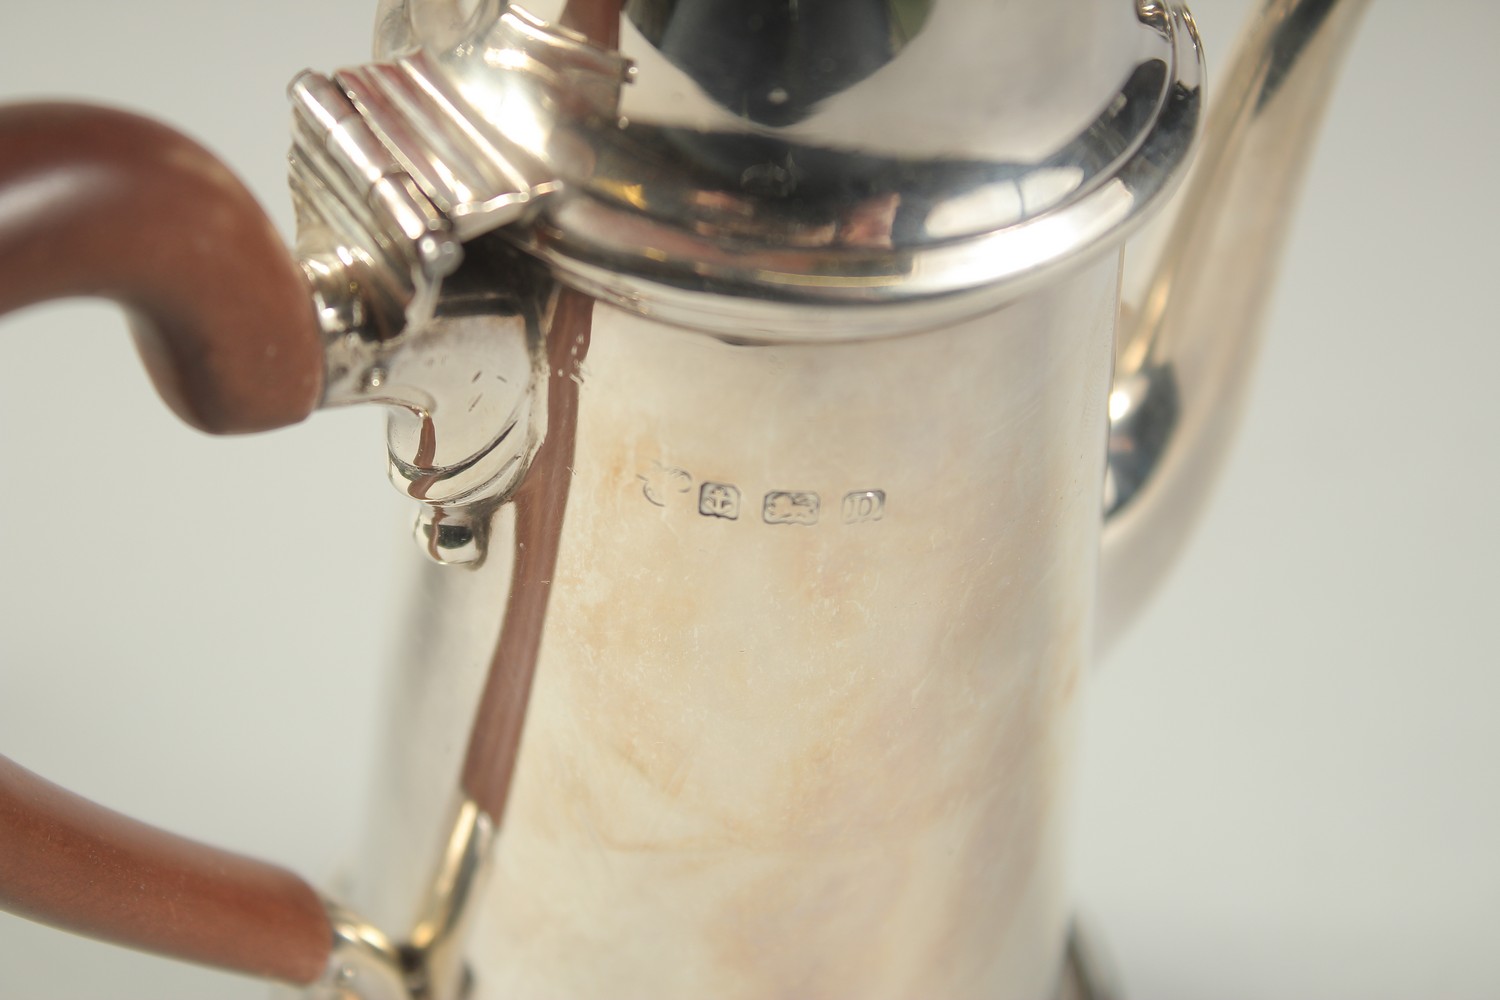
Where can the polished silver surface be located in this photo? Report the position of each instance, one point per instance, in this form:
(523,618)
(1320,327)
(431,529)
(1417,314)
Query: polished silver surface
(930,180)
(1292,750)
(801,749)
(356,158)
(825,748)
(391,166)
(465,388)
(364,965)
(1187,350)
(439,936)
(479,163)
(372,245)
(749,736)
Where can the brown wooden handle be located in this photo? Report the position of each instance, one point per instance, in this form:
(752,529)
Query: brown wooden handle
(102,203)
(70,863)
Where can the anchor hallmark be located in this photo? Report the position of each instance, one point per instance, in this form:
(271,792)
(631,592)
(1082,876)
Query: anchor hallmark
(719,500)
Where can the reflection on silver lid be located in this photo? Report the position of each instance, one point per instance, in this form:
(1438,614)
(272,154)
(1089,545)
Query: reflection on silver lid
(839,152)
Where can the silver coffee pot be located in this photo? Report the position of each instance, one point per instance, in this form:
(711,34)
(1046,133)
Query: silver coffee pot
(727,744)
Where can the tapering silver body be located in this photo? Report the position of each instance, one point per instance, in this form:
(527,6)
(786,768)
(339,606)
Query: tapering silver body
(803,714)
(838,418)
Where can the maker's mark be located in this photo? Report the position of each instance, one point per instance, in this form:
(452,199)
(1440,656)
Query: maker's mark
(661,481)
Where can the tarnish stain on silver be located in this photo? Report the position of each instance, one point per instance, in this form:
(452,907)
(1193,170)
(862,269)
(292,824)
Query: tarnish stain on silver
(829,752)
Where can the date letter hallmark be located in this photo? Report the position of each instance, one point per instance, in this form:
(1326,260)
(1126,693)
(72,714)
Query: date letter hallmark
(790,508)
(663,481)
(864,505)
(719,500)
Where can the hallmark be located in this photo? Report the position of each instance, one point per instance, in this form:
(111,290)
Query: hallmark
(790,508)
(664,480)
(719,500)
(864,505)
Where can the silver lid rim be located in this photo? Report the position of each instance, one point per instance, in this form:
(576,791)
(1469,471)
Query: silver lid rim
(763,292)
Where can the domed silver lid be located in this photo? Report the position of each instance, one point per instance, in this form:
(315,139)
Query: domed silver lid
(763,154)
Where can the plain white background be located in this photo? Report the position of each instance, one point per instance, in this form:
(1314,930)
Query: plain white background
(1289,782)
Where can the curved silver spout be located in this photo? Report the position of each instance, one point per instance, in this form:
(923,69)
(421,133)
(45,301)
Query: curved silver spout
(1186,349)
